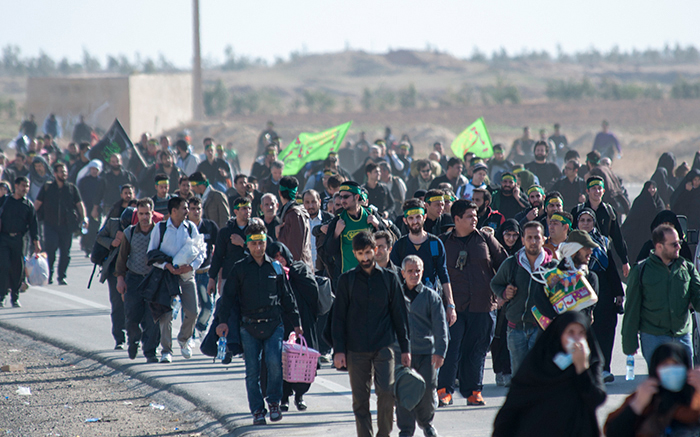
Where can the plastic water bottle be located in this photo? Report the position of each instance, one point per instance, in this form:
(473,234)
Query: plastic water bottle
(221,348)
(176,307)
(84,228)
(630,368)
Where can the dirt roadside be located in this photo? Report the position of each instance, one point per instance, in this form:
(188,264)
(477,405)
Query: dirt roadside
(75,396)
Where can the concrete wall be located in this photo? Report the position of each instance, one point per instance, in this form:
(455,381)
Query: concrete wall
(159,102)
(144,102)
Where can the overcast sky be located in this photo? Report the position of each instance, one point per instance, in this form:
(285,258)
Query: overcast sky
(269,29)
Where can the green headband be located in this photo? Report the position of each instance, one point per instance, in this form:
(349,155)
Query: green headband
(414,211)
(256,237)
(535,188)
(435,199)
(195,183)
(163,182)
(507,177)
(553,200)
(241,205)
(561,219)
(350,188)
(596,182)
(291,192)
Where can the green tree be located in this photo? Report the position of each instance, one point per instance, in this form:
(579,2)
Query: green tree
(216,99)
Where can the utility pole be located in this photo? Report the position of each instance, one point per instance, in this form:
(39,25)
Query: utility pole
(197,97)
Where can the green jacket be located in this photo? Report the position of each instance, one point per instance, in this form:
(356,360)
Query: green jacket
(658,304)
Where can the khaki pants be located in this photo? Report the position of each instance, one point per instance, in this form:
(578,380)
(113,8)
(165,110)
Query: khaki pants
(360,367)
(188,298)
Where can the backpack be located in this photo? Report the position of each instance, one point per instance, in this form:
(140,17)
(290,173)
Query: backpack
(400,247)
(325,295)
(163,226)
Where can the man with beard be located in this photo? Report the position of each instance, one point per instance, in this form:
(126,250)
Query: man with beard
(427,247)
(16,169)
(312,204)
(363,339)
(435,217)
(546,172)
(660,291)
(472,256)
(215,169)
(214,203)
(230,243)
(571,186)
(18,217)
(127,196)
(508,199)
(114,178)
(162,196)
(536,212)
(163,166)
(486,215)
(294,232)
(379,194)
(514,283)
(453,175)
(60,204)
(498,165)
(262,166)
(82,161)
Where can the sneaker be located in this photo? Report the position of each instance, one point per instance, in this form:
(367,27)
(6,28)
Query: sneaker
(16,304)
(608,377)
(506,379)
(62,281)
(133,350)
(185,349)
(475,399)
(259,418)
(300,404)
(499,380)
(275,412)
(326,359)
(429,431)
(152,359)
(167,358)
(444,398)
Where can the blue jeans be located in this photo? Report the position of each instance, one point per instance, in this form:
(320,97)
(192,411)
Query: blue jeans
(206,302)
(651,342)
(520,341)
(253,349)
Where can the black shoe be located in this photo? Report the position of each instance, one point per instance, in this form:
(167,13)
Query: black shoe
(259,417)
(120,346)
(133,350)
(284,405)
(50,280)
(227,358)
(16,304)
(299,402)
(153,359)
(62,281)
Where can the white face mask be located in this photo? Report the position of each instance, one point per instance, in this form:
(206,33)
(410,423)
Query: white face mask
(564,360)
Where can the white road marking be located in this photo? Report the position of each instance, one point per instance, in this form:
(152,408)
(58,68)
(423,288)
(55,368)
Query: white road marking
(71,297)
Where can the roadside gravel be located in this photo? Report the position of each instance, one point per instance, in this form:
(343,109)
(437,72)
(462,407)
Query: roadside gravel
(74,396)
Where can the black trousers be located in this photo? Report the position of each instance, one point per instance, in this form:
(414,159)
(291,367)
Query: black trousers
(118,315)
(57,238)
(604,324)
(11,265)
(500,356)
(139,320)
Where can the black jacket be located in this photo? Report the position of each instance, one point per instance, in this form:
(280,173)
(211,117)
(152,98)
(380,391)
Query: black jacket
(369,312)
(225,253)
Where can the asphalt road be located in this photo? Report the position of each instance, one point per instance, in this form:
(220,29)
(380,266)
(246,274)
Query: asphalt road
(77,319)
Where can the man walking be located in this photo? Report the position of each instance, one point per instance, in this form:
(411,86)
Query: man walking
(472,257)
(426,319)
(18,217)
(294,232)
(369,315)
(214,203)
(62,209)
(659,292)
(257,287)
(209,230)
(130,269)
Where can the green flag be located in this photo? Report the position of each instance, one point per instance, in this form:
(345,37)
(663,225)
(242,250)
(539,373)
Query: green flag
(474,139)
(312,147)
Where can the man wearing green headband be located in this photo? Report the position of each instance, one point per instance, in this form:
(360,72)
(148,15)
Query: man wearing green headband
(259,287)
(353,219)
(429,248)
(294,231)
(162,196)
(508,199)
(536,211)
(230,243)
(217,171)
(606,218)
(559,226)
(214,202)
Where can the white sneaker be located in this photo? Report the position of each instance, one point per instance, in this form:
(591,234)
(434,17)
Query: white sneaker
(185,349)
(166,358)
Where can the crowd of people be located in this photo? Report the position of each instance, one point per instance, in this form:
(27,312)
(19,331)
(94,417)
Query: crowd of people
(432,262)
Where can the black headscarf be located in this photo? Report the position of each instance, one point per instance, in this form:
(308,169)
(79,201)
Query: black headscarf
(643,211)
(544,397)
(507,226)
(664,177)
(666,216)
(276,247)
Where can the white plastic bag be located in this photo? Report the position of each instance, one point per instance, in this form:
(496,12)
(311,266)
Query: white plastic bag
(37,269)
(189,251)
